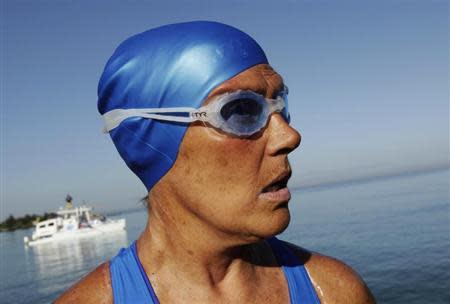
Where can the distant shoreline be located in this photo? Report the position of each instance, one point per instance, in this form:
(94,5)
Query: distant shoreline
(24,222)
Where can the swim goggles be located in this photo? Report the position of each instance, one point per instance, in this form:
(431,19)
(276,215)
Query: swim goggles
(242,112)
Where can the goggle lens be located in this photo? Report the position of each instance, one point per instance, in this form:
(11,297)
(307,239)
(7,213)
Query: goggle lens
(285,112)
(247,115)
(242,113)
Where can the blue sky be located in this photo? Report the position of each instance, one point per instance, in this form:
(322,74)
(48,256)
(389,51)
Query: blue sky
(368,89)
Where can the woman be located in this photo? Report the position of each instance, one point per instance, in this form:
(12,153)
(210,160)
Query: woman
(199,115)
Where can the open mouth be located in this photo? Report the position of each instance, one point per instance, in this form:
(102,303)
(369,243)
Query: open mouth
(277,184)
(277,190)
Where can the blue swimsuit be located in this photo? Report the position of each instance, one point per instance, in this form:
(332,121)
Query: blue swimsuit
(130,283)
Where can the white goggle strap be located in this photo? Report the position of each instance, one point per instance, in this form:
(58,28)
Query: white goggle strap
(115,117)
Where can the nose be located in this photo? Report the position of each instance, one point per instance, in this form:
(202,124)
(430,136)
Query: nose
(283,138)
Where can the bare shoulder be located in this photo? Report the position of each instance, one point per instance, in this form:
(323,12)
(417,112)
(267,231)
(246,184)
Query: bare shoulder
(93,288)
(333,280)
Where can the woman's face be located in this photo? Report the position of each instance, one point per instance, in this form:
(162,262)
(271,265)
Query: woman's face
(223,180)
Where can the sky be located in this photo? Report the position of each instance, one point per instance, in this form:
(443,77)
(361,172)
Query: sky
(368,81)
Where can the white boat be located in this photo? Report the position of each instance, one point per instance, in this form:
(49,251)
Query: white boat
(71,223)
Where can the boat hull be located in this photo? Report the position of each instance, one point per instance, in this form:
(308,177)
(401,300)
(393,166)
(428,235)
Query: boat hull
(85,232)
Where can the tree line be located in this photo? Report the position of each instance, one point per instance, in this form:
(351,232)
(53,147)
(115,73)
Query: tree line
(25,222)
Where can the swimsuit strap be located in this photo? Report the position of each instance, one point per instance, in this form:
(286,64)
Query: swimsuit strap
(299,283)
(129,282)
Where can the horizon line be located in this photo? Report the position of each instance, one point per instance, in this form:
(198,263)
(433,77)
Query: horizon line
(371,178)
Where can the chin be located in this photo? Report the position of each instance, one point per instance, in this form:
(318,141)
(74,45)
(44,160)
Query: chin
(276,224)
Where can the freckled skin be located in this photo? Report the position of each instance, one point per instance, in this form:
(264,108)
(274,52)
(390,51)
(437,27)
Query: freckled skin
(206,228)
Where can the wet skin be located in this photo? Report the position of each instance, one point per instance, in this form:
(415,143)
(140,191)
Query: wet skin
(209,218)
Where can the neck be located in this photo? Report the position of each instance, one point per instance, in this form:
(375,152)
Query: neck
(177,241)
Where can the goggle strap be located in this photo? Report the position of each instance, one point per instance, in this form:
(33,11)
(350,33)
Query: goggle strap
(114,117)
(201,113)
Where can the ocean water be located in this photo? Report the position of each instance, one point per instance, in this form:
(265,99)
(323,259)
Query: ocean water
(395,232)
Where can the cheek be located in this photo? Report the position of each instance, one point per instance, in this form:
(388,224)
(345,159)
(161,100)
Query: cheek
(236,162)
(220,172)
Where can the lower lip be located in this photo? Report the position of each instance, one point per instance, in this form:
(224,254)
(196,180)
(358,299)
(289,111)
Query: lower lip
(282,194)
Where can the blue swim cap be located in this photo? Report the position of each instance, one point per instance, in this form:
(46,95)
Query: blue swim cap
(176,65)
